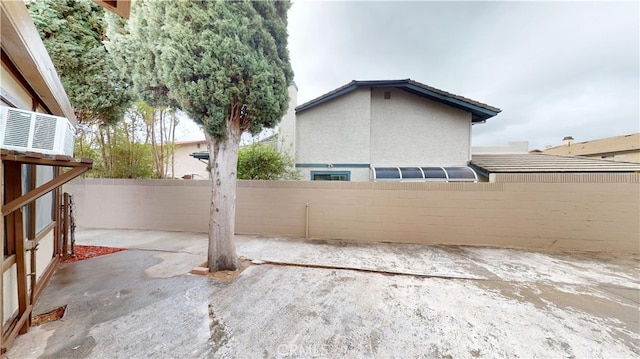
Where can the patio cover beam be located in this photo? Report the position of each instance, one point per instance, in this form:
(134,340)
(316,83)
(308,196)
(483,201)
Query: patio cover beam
(42,190)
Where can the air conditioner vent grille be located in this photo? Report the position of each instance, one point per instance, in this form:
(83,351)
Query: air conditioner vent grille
(45,126)
(18,133)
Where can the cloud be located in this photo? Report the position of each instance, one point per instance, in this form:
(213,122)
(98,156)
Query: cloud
(554,68)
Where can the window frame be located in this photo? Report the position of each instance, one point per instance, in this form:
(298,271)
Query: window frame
(314,173)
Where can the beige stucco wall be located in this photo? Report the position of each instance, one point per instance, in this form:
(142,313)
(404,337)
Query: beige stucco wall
(556,216)
(287,126)
(409,130)
(186,164)
(335,132)
(362,127)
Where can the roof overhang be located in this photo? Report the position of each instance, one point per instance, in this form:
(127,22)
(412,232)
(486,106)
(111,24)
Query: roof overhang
(479,112)
(22,46)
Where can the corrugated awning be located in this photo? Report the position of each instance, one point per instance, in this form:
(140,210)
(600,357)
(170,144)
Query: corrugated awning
(441,174)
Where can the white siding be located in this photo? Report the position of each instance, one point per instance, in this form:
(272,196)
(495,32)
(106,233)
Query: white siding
(410,130)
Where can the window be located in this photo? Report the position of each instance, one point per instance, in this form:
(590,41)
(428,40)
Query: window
(331,175)
(44,204)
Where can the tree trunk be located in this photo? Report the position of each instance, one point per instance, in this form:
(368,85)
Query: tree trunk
(223,157)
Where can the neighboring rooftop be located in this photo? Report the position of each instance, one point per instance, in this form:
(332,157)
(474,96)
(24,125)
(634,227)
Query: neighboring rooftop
(536,163)
(479,111)
(601,147)
(194,142)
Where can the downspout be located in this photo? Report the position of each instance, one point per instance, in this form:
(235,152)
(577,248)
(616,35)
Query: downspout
(306,229)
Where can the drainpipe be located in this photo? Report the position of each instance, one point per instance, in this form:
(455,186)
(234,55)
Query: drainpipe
(306,229)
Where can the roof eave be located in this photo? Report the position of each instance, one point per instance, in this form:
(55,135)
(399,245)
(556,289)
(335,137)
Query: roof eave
(478,113)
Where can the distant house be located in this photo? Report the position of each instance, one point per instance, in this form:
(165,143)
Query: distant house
(185,166)
(386,130)
(389,130)
(624,148)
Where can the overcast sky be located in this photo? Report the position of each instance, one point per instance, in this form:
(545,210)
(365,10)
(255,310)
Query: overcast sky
(554,68)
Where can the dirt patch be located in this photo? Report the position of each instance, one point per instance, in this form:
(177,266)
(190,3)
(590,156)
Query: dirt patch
(228,276)
(86,252)
(51,316)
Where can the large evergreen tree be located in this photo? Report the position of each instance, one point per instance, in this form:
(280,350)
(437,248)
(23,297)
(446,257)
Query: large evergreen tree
(73,32)
(227,65)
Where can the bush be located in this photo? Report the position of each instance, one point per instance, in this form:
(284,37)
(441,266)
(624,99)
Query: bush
(263,161)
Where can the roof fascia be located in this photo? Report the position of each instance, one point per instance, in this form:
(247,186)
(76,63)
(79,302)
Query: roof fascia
(478,114)
(330,96)
(24,48)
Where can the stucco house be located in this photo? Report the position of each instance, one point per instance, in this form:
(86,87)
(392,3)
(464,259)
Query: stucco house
(185,166)
(385,130)
(34,103)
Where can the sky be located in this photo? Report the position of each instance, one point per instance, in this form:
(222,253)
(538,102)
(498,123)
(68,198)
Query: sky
(555,69)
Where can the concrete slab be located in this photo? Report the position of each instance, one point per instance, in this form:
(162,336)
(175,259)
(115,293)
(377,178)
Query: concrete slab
(336,299)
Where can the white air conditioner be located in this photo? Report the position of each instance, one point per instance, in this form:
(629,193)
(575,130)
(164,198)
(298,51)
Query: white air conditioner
(23,131)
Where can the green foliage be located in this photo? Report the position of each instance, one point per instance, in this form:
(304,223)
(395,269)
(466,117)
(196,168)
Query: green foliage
(222,62)
(119,150)
(72,32)
(134,160)
(263,161)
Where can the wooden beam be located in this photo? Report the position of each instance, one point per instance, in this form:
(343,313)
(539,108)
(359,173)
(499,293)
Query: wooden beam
(46,276)
(15,234)
(31,209)
(8,262)
(57,203)
(65,226)
(42,190)
(12,157)
(11,333)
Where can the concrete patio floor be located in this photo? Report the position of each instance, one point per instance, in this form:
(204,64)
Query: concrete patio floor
(336,299)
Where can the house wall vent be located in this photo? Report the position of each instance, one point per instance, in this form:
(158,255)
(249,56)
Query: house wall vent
(24,131)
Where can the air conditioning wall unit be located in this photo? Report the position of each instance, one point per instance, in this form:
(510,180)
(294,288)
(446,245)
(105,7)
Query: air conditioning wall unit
(24,131)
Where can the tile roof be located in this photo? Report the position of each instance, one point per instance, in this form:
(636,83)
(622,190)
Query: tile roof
(480,111)
(615,144)
(539,163)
